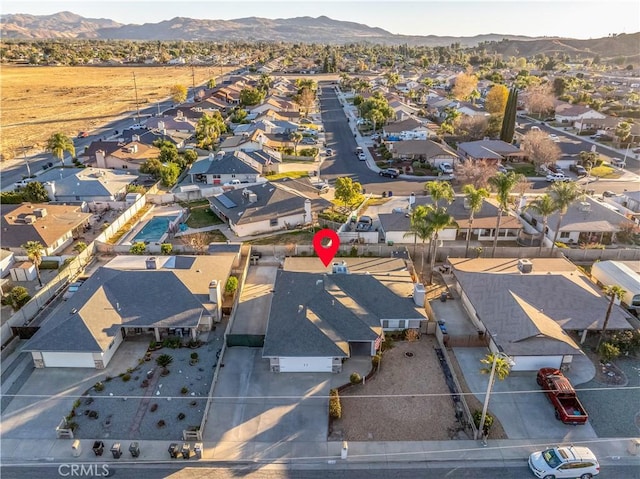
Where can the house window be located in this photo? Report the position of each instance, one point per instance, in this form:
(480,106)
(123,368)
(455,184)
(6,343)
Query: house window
(273,222)
(385,323)
(216,177)
(565,234)
(402,323)
(534,222)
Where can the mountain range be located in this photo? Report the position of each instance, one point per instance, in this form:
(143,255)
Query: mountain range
(301,29)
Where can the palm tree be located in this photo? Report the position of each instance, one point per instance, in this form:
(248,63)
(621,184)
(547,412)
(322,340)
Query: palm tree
(613,292)
(545,206)
(163,361)
(58,143)
(35,252)
(497,365)
(419,228)
(503,183)
(438,219)
(440,190)
(296,137)
(474,197)
(564,194)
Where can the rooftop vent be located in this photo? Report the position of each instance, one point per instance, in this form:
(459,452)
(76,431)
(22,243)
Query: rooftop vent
(584,206)
(340,268)
(30,219)
(525,266)
(40,212)
(152,262)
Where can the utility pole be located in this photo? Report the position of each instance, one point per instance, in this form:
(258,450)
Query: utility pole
(193,81)
(135,87)
(24,152)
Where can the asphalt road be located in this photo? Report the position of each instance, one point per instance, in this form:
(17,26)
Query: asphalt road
(183,470)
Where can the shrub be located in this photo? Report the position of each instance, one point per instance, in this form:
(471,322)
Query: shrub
(488,421)
(16,298)
(126,377)
(375,361)
(76,404)
(608,352)
(411,334)
(80,247)
(138,248)
(194,356)
(99,386)
(49,264)
(11,197)
(152,344)
(184,390)
(164,360)
(353,252)
(231,286)
(388,343)
(335,408)
(181,416)
(166,248)
(355,378)
(172,343)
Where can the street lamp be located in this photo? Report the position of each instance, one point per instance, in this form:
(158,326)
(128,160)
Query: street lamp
(511,363)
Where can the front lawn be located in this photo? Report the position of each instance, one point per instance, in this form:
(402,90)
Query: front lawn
(299,237)
(605,171)
(202,216)
(526,169)
(291,174)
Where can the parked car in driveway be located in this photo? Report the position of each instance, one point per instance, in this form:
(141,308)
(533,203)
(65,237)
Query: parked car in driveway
(554,138)
(553,177)
(618,162)
(446,168)
(390,172)
(564,462)
(309,141)
(579,170)
(364,223)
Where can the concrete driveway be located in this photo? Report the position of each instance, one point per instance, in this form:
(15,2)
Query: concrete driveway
(254,411)
(518,402)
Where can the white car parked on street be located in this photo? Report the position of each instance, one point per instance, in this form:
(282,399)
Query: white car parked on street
(564,462)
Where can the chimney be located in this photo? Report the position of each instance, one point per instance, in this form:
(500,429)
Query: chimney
(135,137)
(215,296)
(152,262)
(161,125)
(30,219)
(100,159)
(253,198)
(525,266)
(50,188)
(419,294)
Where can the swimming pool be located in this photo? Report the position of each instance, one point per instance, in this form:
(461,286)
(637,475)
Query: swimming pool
(154,230)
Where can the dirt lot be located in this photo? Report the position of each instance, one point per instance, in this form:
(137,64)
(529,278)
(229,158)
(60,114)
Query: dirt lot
(421,418)
(39,101)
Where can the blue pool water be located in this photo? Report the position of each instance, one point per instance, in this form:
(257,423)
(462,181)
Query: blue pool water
(154,230)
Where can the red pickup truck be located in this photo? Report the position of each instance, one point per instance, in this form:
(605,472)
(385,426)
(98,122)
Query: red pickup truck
(561,394)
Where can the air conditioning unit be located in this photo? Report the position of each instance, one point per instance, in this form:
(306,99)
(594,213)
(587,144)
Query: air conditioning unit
(525,266)
(40,212)
(584,206)
(30,219)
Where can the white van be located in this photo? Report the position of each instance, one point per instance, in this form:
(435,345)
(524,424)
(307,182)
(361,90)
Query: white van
(359,150)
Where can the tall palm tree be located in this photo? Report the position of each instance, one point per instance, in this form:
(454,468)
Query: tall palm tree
(474,197)
(440,190)
(35,252)
(58,143)
(545,206)
(438,219)
(496,365)
(502,183)
(419,228)
(564,194)
(613,292)
(296,137)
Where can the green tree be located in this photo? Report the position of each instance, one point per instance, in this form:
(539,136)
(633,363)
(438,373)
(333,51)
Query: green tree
(564,194)
(613,292)
(376,109)
(503,184)
(474,198)
(501,371)
(80,247)
(296,137)
(465,83)
(17,297)
(211,83)
(35,192)
(347,191)
(545,206)
(168,155)
(35,252)
(509,119)
(178,93)
(306,99)
(623,131)
(440,190)
(152,167)
(169,174)
(438,219)
(231,286)
(190,156)
(58,144)
(419,228)
(209,128)
(251,96)
(138,248)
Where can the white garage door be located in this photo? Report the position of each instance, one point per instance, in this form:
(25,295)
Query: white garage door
(68,360)
(533,363)
(305,365)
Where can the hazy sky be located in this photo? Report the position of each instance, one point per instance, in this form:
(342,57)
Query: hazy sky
(567,18)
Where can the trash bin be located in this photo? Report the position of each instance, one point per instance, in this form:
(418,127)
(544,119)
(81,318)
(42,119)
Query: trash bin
(186,451)
(134,449)
(197,449)
(98,448)
(173,450)
(116,450)
(390,194)
(345,450)
(443,297)
(76,448)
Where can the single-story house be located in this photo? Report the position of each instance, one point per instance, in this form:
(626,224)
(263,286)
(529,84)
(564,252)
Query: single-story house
(469,109)
(54,226)
(90,184)
(7,260)
(586,221)
(130,156)
(321,316)
(128,297)
(427,151)
(224,167)
(168,125)
(528,307)
(567,113)
(492,151)
(409,129)
(264,208)
(394,226)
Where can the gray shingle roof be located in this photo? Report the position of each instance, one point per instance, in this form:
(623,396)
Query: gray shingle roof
(317,315)
(223,165)
(495,149)
(93,182)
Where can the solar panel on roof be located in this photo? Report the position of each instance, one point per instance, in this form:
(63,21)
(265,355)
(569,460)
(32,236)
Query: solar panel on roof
(226,201)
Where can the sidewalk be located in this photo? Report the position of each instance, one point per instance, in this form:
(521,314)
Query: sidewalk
(24,451)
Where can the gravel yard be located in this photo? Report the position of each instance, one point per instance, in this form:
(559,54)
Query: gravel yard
(126,408)
(424,418)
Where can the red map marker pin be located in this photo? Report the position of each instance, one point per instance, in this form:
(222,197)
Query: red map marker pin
(326,253)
